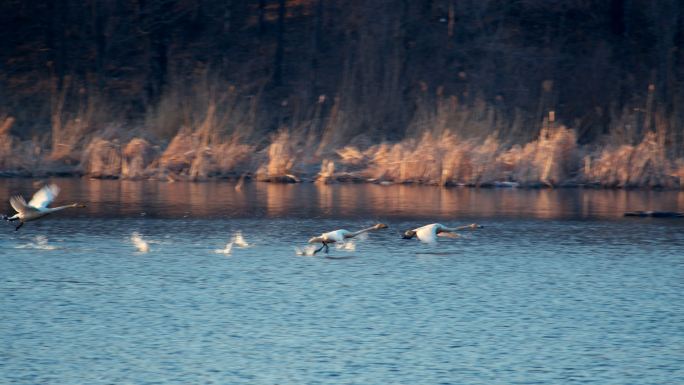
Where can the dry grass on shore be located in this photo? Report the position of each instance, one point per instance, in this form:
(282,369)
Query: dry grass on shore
(553,159)
(439,149)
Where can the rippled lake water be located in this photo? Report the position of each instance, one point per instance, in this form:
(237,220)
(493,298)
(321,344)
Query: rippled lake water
(557,288)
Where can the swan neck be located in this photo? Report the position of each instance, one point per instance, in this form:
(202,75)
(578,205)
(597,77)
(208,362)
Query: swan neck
(362,231)
(58,208)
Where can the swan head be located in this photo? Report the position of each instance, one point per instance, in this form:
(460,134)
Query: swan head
(380,226)
(316,240)
(408,234)
(81,205)
(475,226)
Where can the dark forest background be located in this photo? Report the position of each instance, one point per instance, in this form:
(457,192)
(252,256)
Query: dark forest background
(346,72)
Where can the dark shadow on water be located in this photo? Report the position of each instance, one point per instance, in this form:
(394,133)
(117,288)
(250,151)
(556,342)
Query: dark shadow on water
(442,253)
(38,280)
(339,257)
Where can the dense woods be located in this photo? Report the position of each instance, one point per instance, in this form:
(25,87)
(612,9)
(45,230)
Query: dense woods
(475,92)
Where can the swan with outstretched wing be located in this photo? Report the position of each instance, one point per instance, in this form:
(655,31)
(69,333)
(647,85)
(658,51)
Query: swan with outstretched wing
(429,233)
(340,236)
(37,207)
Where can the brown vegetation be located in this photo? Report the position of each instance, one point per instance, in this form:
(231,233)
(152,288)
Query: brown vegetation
(138,157)
(477,93)
(102,159)
(553,159)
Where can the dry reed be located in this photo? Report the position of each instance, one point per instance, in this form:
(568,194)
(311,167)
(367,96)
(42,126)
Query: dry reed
(139,156)
(643,165)
(281,159)
(447,143)
(102,159)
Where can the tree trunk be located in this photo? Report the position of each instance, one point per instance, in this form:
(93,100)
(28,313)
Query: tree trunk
(617,17)
(280,42)
(262,12)
(316,47)
(100,43)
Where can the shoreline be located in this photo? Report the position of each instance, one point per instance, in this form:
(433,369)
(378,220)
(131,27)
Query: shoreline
(342,179)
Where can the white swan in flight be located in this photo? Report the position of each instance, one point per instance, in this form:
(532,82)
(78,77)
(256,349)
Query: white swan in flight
(429,233)
(37,207)
(340,236)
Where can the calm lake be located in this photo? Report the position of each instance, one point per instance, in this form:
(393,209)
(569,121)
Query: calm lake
(557,288)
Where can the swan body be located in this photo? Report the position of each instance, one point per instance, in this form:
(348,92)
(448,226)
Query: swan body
(429,233)
(332,236)
(37,207)
(341,235)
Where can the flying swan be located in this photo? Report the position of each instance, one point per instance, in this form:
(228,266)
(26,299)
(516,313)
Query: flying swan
(340,236)
(429,233)
(37,207)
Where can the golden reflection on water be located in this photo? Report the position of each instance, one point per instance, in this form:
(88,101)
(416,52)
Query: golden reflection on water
(133,194)
(325,197)
(453,202)
(221,199)
(278,197)
(97,194)
(200,198)
(546,206)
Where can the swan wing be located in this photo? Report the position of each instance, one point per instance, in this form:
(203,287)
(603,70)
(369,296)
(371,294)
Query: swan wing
(447,234)
(43,197)
(19,204)
(427,233)
(334,236)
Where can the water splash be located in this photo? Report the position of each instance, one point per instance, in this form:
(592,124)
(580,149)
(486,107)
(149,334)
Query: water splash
(227,250)
(40,243)
(140,244)
(239,240)
(307,251)
(346,246)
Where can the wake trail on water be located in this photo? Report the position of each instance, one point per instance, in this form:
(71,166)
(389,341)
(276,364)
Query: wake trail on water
(40,243)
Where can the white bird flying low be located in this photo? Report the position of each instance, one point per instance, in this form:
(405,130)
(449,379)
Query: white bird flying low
(340,236)
(429,233)
(37,207)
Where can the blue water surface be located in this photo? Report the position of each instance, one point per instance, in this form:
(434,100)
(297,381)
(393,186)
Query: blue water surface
(557,288)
